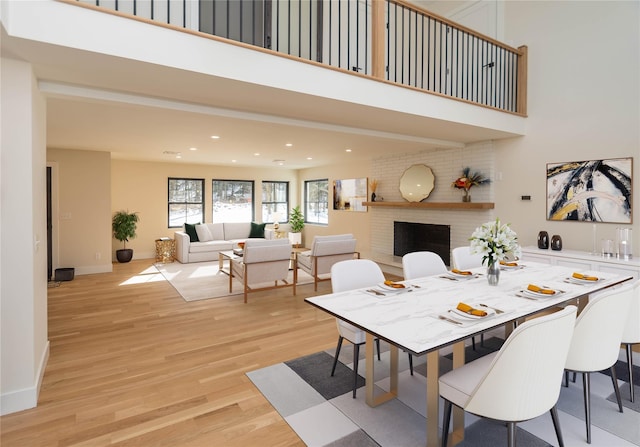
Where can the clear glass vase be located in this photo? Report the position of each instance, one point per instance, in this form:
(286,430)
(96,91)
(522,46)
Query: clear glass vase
(493,273)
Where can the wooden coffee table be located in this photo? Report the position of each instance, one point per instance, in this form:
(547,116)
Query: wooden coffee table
(228,255)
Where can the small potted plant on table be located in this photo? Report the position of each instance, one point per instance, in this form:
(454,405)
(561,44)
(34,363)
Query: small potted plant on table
(296,222)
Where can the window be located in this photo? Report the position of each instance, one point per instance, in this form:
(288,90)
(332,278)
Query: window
(316,203)
(232,201)
(186,201)
(275,201)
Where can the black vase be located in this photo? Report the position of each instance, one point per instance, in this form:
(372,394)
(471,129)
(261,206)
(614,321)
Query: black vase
(556,242)
(543,240)
(373,196)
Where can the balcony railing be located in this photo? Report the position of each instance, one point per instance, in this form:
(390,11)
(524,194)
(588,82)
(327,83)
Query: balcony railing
(389,40)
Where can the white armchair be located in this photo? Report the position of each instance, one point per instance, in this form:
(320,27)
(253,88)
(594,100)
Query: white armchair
(263,261)
(326,251)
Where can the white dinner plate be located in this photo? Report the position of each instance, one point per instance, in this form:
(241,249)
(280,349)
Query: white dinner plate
(533,294)
(459,276)
(387,288)
(582,281)
(461,314)
(511,267)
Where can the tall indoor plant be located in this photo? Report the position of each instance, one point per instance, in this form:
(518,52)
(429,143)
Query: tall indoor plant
(124,225)
(296,222)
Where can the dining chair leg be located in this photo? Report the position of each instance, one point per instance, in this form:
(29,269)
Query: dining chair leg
(586,384)
(378,347)
(473,343)
(356,358)
(630,365)
(446,418)
(410,363)
(511,429)
(556,425)
(335,358)
(616,388)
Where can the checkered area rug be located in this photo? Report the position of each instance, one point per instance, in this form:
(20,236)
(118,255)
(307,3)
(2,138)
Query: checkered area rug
(321,410)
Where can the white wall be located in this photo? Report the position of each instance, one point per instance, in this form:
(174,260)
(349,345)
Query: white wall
(23,233)
(584,103)
(83,198)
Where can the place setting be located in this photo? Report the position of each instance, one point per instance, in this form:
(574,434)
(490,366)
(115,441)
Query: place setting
(389,287)
(466,315)
(459,275)
(582,279)
(535,292)
(511,265)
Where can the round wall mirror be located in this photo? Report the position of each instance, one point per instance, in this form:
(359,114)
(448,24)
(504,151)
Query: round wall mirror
(417,183)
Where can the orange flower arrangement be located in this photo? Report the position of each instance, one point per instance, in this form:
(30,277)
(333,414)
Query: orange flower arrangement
(468,179)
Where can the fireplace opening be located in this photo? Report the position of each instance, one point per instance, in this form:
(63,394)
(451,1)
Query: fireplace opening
(412,236)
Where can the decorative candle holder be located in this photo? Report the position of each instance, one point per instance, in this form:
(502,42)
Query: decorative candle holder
(624,243)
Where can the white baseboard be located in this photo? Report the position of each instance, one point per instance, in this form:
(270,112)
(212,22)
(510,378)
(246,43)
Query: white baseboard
(25,398)
(90,269)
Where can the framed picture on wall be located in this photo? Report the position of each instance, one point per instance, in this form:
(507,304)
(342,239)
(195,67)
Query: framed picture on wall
(350,194)
(590,191)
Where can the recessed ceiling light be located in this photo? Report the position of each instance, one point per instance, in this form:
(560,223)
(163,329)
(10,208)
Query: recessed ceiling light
(193,148)
(309,158)
(347,150)
(280,162)
(234,161)
(215,137)
(289,144)
(257,154)
(178,156)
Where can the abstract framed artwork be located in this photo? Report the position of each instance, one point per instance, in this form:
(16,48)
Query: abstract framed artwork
(350,194)
(590,191)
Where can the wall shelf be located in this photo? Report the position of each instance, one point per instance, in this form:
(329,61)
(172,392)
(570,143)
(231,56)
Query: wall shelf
(436,205)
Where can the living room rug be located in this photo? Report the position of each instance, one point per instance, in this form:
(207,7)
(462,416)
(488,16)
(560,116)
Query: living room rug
(203,280)
(321,410)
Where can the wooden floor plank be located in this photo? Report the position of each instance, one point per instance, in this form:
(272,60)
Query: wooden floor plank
(132,364)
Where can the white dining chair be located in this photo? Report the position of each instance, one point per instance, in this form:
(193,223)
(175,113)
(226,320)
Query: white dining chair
(631,333)
(596,342)
(463,259)
(350,275)
(419,264)
(519,382)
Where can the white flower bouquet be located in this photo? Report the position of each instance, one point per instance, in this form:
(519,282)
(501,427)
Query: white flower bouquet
(495,242)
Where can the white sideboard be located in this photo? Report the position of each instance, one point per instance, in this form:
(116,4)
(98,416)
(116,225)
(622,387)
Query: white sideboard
(582,261)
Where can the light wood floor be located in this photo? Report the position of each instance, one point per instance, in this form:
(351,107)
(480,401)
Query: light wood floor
(133,364)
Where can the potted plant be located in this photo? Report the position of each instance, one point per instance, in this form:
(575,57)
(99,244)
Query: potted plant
(296,222)
(124,226)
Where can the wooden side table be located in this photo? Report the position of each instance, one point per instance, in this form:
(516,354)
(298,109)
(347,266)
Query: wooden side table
(165,250)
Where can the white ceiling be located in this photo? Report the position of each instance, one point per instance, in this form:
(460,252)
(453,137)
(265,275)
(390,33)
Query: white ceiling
(140,111)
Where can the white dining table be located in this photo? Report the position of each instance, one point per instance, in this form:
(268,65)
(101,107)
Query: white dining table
(420,318)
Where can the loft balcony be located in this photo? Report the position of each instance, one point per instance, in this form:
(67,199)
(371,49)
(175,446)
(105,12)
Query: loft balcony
(389,40)
(328,69)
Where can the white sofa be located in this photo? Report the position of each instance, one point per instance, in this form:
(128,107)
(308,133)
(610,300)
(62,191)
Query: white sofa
(224,236)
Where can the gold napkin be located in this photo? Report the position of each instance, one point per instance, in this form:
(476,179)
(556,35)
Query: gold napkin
(470,310)
(584,277)
(539,289)
(509,264)
(395,285)
(461,272)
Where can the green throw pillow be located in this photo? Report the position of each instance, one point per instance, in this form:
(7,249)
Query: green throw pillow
(257,230)
(190,229)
